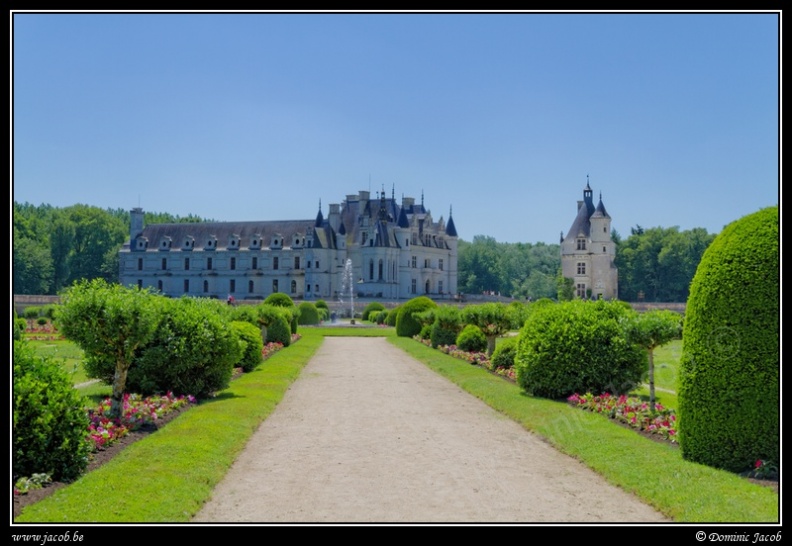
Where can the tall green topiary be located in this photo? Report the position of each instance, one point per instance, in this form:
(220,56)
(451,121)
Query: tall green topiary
(579,346)
(50,424)
(309,314)
(406,324)
(729,407)
(253,344)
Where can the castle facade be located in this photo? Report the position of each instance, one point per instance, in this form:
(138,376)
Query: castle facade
(382,248)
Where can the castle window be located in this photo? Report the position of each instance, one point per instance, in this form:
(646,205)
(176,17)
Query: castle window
(159,286)
(140,264)
(439,287)
(250,287)
(316,288)
(209,263)
(255,263)
(186,285)
(316,265)
(233,263)
(164,263)
(603,249)
(379,271)
(414,287)
(371,270)
(581,290)
(232,286)
(581,244)
(186,264)
(427,263)
(414,262)
(415,238)
(140,283)
(308,264)
(440,264)
(581,268)
(275,285)
(296,262)
(206,287)
(275,265)
(294,287)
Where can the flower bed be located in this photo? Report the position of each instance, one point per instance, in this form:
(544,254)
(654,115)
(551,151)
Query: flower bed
(478,359)
(630,410)
(137,411)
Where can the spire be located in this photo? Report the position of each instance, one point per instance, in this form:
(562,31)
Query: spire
(319,216)
(450,227)
(422,198)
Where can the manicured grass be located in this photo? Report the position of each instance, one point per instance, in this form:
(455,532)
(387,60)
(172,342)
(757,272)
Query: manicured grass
(168,476)
(66,353)
(654,471)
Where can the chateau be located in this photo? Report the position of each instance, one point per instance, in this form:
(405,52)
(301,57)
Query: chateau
(397,251)
(588,253)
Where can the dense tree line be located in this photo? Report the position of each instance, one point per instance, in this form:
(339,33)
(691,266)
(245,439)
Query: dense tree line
(659,263)
(520,270)
(53,247)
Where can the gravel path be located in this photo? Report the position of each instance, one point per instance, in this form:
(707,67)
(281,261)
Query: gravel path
(367,434)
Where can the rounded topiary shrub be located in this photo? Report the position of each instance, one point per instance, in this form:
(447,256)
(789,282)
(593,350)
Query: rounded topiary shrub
(274,323)
(471,339)
(729,406)
(407,325)
(446,326)
(253,345)
(309,314)
(371,307)
(393,314)
(194,351)
(578,346)
(504,354)
(279,299)
(322,304)
(50,424)
(379,317)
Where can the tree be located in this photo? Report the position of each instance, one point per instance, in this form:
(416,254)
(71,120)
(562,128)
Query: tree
(32,269)
(565,287)
(96,234)
(493,320)
(109,321)
(650,330)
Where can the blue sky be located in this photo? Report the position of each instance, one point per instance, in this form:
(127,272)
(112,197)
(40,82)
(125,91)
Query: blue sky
(674,117)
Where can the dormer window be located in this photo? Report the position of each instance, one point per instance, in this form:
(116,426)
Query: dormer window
(233,242)
(166,243)
(255,241)
(297,241)
(189,243)
(142,243)
(581,243)
(277,241)
(211,243)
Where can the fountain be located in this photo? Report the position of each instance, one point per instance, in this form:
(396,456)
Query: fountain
(348,284)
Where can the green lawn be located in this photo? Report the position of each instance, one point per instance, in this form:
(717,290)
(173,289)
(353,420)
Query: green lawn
(169,475)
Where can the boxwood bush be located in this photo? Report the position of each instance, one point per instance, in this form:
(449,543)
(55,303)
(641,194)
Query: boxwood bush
(504,354)
(374,306)
(578,346)
(194,351)
(253,344)
(50,424)
(446,327)
(729,392)
(471,339)
(393,314)
(407,325)
(309,314)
